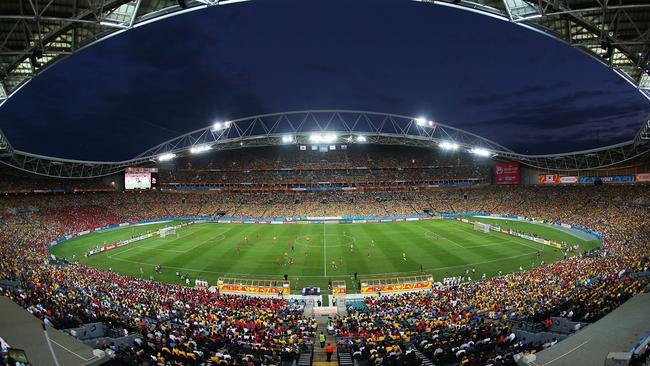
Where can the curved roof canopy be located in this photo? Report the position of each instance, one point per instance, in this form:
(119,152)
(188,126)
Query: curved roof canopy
(35,34)
(327,127)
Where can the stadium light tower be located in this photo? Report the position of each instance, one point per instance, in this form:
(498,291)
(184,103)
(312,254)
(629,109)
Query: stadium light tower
(323,138)
(287,139)
(362,138)
(221,126)
(166,157)
(480,151)
(200,148)
(422,122)
(448,145)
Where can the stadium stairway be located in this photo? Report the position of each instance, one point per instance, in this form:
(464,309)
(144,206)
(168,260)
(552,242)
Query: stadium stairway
(345,359)
(305,359)
(424,359)
(320,358)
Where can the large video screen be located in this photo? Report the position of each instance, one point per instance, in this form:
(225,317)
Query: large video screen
(139,178)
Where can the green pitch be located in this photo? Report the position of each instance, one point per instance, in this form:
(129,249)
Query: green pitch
(312,254)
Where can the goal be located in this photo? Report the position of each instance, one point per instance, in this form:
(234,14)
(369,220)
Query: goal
(479,226)
(166,231)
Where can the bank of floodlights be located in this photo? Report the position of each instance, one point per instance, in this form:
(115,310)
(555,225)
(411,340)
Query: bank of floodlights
(362,138)
(221,126)
(287,139)
(423,122)
(448,145)
(320,138)
(166,157)
(479,151)
(200,148)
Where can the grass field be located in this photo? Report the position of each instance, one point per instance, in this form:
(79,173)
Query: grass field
(209,250)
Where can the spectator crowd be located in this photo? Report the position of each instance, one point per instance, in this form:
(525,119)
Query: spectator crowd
(467,324)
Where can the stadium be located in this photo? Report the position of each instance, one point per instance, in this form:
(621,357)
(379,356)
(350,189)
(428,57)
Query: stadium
(323,236)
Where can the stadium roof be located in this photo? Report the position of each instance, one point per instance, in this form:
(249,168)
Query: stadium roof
(34,35)
(329,127)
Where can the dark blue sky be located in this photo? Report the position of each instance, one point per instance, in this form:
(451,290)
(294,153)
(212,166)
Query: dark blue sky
(517,87)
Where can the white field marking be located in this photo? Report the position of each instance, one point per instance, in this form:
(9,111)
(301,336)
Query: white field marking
(524,244)
(565,353)
(76,354)
(147,244)
(494,244)
(498,236)
(335,276)
(441,237)
(324,252)
(302,244)
(218,238)
(470,232)
(220,234)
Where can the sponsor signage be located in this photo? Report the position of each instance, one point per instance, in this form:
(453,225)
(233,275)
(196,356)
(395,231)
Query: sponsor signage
(556,179)
(643,177)
(396,287)
(254,289)
(549,179)
(507,173)
(610,179)
(569,180)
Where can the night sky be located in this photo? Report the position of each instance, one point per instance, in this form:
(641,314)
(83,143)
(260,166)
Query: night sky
(122,96)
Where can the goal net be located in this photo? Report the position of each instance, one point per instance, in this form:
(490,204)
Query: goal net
(167,231)
(479,226)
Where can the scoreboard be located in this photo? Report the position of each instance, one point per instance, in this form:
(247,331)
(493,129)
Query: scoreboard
(140,178)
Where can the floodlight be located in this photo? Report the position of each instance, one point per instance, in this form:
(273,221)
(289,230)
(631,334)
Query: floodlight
(330,137)
(166,157)
(480,151)
(420,121)
(448,145)
(323,138)
(199,149)
(361,138)
(216,126)
(287,139)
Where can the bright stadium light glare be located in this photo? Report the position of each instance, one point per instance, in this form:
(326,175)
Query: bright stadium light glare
(448,145)
(216,126)
(227,124)
(323,138)
(480,151)
(166,157)
(361,138)
(330,137)
(421,121)
(287,139)
(199,149)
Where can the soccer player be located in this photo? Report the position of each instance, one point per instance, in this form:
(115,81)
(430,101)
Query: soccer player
(404,256)
(351,247)
(372,243)
(238,248)
(369,253)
